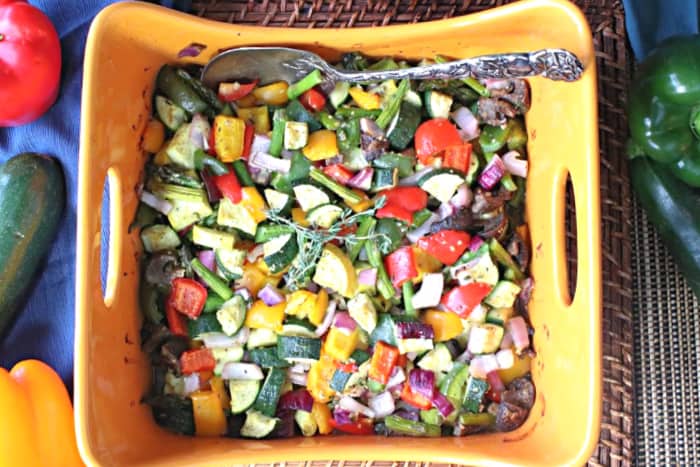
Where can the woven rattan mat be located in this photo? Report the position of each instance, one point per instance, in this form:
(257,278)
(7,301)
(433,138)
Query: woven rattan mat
(607,22)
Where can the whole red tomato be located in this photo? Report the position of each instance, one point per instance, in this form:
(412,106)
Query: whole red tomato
(30,63)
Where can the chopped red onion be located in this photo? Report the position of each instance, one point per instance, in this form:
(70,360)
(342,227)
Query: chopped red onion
(367,277)
(328,319)
(217,340)
(423,230)
(270,295)
(412,180)
(344,321)
(199,131)
(342,416)
(192,50)
(260,176)
(213,193)
(191,383)
(506,359)
(407,414)
(495,381)
(255,253)
(350,404)
(334,160)
(482,365)
(160,205)
(517,328)
(208,259)
(446,210)
(397,377)
(463,197)
(362,179)
(237,370)
(467,122)
(300,367)
(299,399)
(515,165)
(300,379)
(441,403)
(475,243)
(243,292)
(414,330)
(287,154)
(464,357)
(430,291)
(411,355)
(382,404)
(241,337)
(261,143)
(507,341)
(492,173)
(265,161)
(422,381)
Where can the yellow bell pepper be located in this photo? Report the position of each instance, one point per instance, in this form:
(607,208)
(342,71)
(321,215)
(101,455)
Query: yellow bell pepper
(322,145)
(253,279)
(153,136)
(364,204)
(519,369)
(247,101)
(446,325)
(217,386)
(229,137)
(37,418)
(425,264)
(299,217)
(365,100)
(272,94)
(318,382)
(300,303)
(318,312)
(209,418)
(261,316)
(272,278)
(322,415)
(340,345)
(258,116)
(254,203)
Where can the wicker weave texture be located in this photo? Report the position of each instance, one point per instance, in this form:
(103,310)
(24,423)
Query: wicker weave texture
(606,18)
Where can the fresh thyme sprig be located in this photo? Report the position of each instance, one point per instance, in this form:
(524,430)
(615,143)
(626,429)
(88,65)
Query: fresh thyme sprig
(311,241)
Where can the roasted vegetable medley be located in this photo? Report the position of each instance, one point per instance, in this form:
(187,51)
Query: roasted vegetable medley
(348,258)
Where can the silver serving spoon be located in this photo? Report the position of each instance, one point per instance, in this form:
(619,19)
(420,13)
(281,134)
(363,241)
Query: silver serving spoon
(269,64)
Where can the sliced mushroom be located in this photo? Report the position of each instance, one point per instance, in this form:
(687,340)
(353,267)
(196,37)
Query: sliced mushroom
(488,201)
(163,267)
(519,249)
(510,416)
(494,111)
(520,392)
(494,226)
(153,336)
(172,349)
(523,298)
(463,219)
(372,139)
(514,91)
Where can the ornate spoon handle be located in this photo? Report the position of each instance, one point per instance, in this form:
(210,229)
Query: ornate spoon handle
(554,64)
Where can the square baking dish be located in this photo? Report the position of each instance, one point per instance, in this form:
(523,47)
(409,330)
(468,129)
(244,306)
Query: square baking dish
(127,44)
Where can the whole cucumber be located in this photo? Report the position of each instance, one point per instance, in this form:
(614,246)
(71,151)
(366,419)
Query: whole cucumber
(32,198)
(674,209)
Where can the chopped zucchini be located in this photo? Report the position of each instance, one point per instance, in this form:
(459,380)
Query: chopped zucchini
(408,120)
(270,392)
(384,179)
(339,94)
(362,310)
(170,113)
(481,268)
(243,394)
(417,345)
(340,380)
(257,425)
(503,295)
(232,314)
(159,237)
(485,338)
(226,355)
(441,183)
(230,263)
(499,316)
(266,357)
(204,324)
(296,135)
(185,213)
(298,348)
(261,338)
(437,360)
(278,201)
(180,149)
(474,394)
(280,252)
(335,271)
(437,104)
(324,215)
(296,330)
(309,196)
(236,216)
(212,238)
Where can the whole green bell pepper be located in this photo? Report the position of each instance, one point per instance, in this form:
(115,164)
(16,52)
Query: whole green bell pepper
(664,107)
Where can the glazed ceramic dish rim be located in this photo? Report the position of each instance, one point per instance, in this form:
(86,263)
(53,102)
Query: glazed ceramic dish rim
(100,342)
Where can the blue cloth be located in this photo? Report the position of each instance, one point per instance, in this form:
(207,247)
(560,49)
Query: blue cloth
(651,21)
(44,329)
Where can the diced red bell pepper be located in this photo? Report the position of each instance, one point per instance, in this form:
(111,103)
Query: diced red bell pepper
(212,142)
(415,399)
(463,299)
(496,386)
(446,245)
(401,265)
(248,140)
(433,136)
(410,198)
(192,361)
(229,92)
(229,187)
(458,157)
(347,367)
(187,296)
(383,361)
(313,100)
(176,321)
(363,426)
(338,172)
(392,211)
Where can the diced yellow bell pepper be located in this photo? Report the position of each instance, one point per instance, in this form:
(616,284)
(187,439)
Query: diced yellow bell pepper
(254,203)
(209,418)
(272,94)
(272,278)
(322,415)
(253,279)
(318,312)
(364,204)
(300,303)
(217,386)
(318,382)
(365,100)
(425,264)
(446,325)
(340,345)
(248,101)
(518,370)
(258,116)
(229,137)
(261,316)
(322,145)
(153,136)
(299,217)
